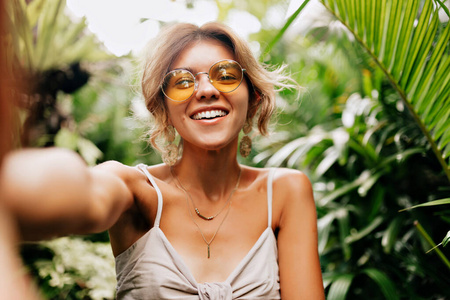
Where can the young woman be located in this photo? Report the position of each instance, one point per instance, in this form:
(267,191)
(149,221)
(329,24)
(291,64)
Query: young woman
(199,226)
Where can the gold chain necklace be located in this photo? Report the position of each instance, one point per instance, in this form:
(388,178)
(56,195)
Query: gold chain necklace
(197,211)
(179,186)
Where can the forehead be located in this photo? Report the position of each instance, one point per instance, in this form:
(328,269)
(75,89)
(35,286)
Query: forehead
(202,54)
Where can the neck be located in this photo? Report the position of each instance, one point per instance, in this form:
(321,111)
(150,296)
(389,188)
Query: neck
(212,173)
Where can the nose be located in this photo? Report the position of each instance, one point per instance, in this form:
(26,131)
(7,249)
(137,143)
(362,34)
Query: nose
(205,89)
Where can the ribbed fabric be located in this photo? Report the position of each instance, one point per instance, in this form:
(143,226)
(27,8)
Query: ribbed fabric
(152,269)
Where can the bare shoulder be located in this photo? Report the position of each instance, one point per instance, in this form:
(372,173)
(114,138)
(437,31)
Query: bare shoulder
(129,174)
(285,180)
(136,179)
(290,187)
(293,196)
(160,171)
(292,181)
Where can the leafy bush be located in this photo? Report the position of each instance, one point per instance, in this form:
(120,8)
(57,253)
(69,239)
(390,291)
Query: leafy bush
(73,268)
(378,152)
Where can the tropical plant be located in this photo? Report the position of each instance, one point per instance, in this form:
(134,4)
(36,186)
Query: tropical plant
(376,93)
(43,51)
(414,58)
(72,268)
(363,168)
(51,58)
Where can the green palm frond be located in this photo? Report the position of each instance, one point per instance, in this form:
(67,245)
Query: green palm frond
(387,286)
(340,287)
(43,37)
(285,27)
(411,46)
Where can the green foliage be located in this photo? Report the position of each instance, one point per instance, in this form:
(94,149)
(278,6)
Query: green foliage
(74,269)
(44,48)
(370,129)
(376,151)
(53,58)
(42,37)
(431,203)
(415,59)
(108,119)
(286,26)
(425,235)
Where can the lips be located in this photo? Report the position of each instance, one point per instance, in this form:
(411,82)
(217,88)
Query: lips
(209,114)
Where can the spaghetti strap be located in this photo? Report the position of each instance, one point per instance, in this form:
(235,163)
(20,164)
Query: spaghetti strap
(158,191)
(269,195)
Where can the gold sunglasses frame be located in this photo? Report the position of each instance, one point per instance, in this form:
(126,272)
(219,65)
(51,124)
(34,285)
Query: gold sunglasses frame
(207,74)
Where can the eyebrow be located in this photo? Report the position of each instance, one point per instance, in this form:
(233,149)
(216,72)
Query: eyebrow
(184,68)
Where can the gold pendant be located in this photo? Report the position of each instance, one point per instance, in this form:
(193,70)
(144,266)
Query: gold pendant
(202,216)
(209,252)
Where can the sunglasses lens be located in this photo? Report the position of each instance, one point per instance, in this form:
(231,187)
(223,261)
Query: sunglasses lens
(179,85)
(226,76)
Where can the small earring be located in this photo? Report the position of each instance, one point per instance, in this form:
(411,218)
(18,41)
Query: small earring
(170,154)
(246,142)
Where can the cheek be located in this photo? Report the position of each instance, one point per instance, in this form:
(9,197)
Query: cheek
(245,104)
(242,111)
(174,111)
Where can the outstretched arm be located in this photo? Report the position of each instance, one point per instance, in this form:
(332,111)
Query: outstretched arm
(300,273)
(51,192)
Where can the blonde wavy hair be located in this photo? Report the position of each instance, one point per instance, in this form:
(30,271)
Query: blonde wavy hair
(168,45)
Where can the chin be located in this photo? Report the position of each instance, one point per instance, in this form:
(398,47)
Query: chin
(216,145)
(212,142)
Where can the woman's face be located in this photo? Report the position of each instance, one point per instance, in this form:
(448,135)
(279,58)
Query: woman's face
(228,111)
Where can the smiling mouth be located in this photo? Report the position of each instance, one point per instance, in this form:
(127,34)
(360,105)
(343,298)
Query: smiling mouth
(210,114)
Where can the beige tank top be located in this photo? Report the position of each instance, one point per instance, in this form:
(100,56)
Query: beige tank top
(152,269)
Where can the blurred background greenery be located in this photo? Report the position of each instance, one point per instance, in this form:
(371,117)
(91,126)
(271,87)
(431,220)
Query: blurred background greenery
(369,127)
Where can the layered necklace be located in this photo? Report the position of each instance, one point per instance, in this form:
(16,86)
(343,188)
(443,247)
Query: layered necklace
(188,196)
(197,211)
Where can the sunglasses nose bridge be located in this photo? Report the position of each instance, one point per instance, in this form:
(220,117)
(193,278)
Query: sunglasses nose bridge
(197,81)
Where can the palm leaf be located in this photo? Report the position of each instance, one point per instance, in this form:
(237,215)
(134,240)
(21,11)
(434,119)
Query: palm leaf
(386,285)
(427,237)
(285,27)
(365,231)
(390,236)
(342,217)
(431,203)
(43,37)
(340,286)
(412,49)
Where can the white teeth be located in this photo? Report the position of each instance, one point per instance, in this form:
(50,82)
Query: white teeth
(209,114)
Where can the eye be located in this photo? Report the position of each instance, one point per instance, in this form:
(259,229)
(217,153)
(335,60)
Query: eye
(180,79)
(225,75)
(183,83)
